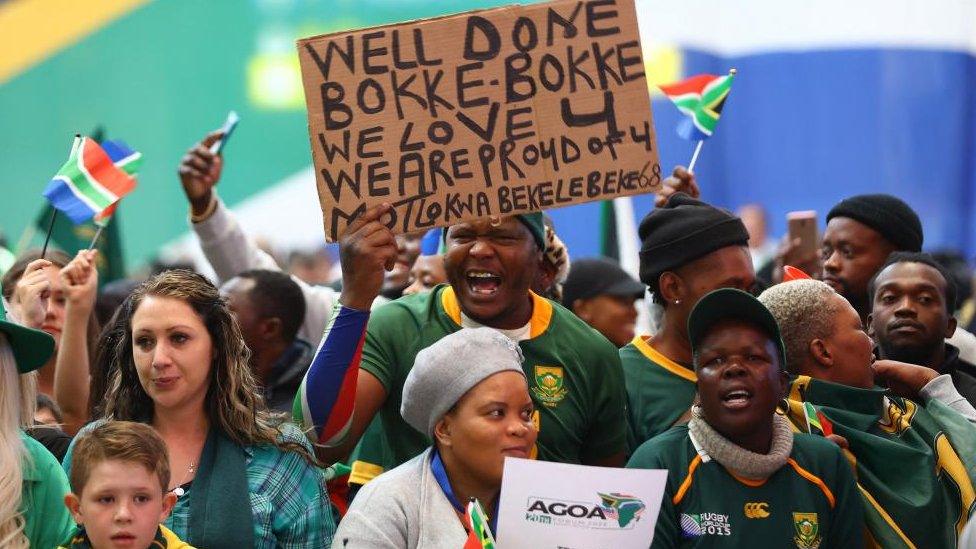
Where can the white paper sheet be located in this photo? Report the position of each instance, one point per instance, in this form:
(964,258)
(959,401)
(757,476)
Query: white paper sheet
(547,505)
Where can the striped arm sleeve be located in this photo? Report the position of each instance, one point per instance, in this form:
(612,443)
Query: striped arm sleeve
(327,396)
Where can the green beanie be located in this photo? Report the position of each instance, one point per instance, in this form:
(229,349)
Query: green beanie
(534,223)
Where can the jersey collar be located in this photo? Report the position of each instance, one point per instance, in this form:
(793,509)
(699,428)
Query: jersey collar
(640,342)
(538,323)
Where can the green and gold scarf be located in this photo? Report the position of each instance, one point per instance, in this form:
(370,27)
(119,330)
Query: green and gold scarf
(915,464)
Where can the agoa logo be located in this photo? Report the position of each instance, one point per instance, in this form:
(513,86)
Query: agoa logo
(756,510)
(615,511)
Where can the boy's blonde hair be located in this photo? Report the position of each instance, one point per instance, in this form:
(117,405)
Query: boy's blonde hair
(123,441)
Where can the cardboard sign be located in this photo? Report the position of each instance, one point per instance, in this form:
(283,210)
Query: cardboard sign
(562,506)
(477,115)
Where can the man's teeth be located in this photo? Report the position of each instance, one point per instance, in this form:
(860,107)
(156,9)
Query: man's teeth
(481,275)
(737,395)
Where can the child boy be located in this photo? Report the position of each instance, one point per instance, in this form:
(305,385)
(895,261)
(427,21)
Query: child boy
(119,497)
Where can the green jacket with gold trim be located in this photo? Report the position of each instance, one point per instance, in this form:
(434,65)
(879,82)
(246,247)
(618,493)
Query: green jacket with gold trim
(915,464)
(573,372)
(660,391)
(811,502)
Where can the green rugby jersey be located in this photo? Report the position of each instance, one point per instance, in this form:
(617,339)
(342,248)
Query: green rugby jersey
(659,391)
(573,372)
(371,456)
(915,464)
(810,502)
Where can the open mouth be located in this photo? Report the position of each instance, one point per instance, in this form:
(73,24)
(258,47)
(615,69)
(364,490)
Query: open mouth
(737,400)
(483,282)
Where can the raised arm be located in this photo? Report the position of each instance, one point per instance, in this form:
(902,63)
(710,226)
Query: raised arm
(72,374)
(28,304)
(226,246)
(337,400)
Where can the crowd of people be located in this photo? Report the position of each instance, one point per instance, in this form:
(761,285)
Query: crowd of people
(266,409)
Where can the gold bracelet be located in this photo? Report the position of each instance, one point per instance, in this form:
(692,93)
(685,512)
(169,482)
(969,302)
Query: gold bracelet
(211,208)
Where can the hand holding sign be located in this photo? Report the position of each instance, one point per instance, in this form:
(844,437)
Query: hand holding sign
(366,249)
(493,113)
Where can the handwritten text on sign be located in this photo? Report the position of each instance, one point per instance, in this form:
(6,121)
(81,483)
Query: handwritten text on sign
(489,113)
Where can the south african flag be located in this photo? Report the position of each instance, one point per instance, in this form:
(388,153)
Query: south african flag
(700,97)
(479,534)
(88,183)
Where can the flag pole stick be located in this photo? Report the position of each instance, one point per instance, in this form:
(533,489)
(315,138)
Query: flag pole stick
(50,228)
(47,239)
(98,233)
(694,157)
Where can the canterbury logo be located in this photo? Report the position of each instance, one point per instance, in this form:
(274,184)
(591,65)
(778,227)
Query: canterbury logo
(756,510)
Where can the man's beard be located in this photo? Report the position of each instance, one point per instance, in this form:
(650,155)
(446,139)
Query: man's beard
(913,354)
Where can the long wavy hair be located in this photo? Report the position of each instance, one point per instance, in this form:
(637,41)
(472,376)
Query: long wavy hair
(17,399)
(104,366)
(233,402)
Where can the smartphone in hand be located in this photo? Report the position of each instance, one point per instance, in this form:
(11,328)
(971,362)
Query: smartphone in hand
(227,130)
(802,225)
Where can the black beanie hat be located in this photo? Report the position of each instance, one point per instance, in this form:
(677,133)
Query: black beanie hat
(683,230)
(889,215)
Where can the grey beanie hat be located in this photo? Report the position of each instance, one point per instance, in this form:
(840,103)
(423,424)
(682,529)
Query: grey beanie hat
(445,371)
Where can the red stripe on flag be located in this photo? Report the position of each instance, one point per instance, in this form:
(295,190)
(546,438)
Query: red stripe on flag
(107,212)
(472,542)
(825,425)
(102,170)
(695,84)
(345,403)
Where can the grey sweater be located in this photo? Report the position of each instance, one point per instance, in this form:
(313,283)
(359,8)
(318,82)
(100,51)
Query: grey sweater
(403,508)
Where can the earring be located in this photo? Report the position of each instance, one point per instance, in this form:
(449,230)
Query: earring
(677,301)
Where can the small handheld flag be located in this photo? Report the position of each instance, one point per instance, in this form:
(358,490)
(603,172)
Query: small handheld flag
(87,183)
(75,143)
(817,423)
(479,536)
(124,159)
(701,98)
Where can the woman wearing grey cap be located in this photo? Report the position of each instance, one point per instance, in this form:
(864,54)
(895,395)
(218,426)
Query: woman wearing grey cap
(469,394)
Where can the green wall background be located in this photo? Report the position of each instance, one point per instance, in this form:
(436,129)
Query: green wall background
(161,77)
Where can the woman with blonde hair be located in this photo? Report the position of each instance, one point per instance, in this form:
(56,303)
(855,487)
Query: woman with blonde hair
(32,484)
(182,367)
